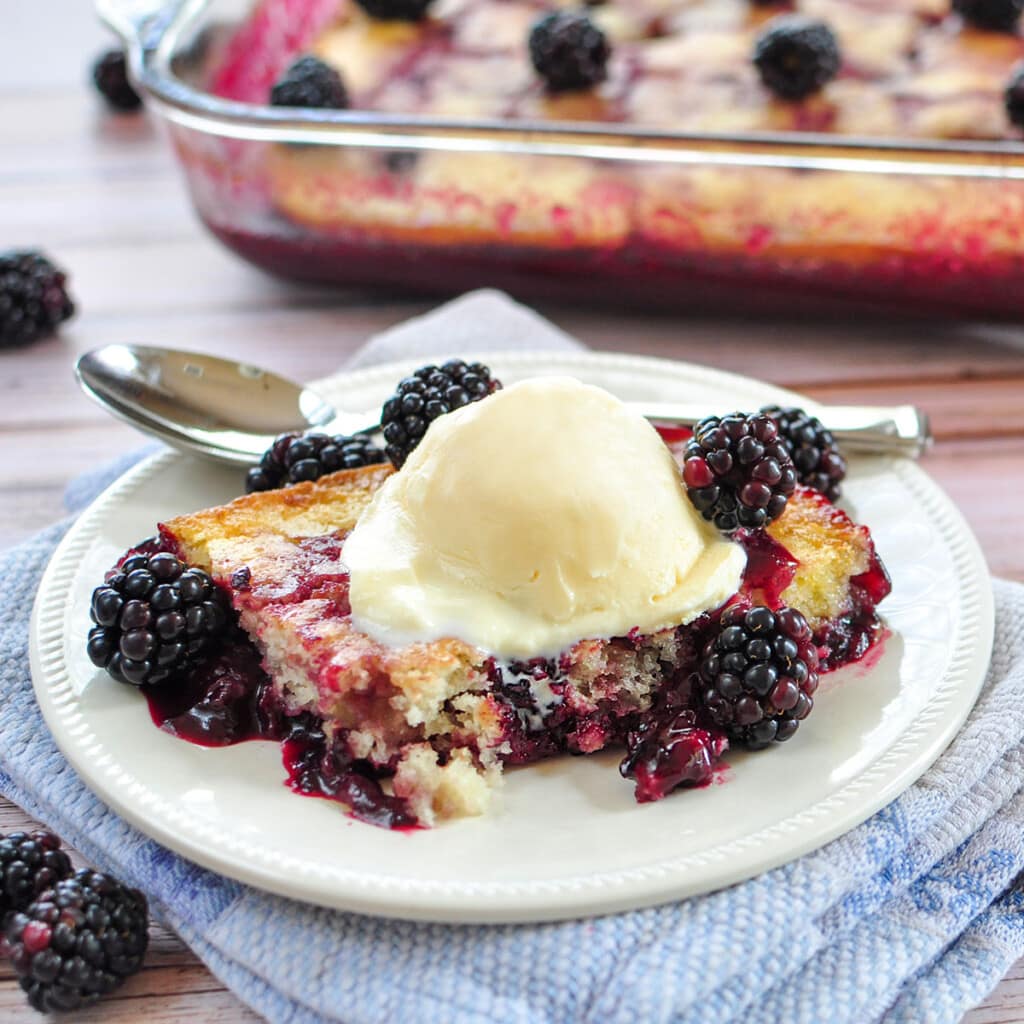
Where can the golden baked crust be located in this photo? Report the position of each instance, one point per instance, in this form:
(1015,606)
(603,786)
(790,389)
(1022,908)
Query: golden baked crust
(315,508)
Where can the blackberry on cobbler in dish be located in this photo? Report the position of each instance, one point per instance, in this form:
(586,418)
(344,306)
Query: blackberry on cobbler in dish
(77,941)
(293,458)
(758,675)
(737,471)
(997,15)
(569,51)
(396,10)
(430,392)
(819,463)
(1013,96)
(154,616)
(34,300)
(309,82)
(795,56)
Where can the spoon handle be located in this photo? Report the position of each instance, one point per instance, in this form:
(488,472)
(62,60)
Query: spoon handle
(863,429)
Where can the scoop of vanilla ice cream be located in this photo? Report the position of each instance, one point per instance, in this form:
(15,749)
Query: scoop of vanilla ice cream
(540,516)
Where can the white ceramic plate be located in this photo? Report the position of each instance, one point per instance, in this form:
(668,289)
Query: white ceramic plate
(566,838)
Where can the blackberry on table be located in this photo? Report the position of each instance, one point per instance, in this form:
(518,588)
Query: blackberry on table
(293,458)
(998,15)
(816,456)
(430,392)
(110,76)
(569,51)
(33,298)
(795,56)
(738,472)
(77,941)
(154,617)
(758,675)
(29,863)
(309,82)
(395,10)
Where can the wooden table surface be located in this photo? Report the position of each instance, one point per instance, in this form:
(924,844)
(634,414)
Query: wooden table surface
(101,195)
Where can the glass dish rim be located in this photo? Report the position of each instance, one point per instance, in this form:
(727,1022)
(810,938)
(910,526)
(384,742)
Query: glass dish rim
(150,30)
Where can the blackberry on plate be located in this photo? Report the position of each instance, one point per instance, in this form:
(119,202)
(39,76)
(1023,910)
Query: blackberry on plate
(737,471)
(77,941)
(29,863)
(795,56)
(819,463)
(309,82)
(1013,95)
(396,10)
(33,298)
(758,675)
(671,750)
(998,15)
(569,51)
(293,458)
(154,617)
(110,76)
(430,392)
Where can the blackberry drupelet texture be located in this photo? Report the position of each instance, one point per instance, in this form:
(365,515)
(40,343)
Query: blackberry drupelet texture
(29,863)
(569,51)
(77,941)
(33,298)
(819,463)
(430,392)
(795,56)
(293,458)
(758,675)
(737,471)
(154,617)
(998,15)
(110,76)
(309,82)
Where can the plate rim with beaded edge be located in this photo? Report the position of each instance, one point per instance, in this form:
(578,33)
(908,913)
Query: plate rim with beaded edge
(563,838)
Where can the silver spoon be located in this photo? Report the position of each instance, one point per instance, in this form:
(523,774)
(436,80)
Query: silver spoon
(231,412)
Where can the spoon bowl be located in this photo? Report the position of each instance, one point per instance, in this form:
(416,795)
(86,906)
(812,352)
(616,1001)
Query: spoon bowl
(214,407)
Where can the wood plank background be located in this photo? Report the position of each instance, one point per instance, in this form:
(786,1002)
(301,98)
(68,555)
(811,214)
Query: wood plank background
(102,196)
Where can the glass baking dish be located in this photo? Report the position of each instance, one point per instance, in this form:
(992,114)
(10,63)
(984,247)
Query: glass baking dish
(786,221)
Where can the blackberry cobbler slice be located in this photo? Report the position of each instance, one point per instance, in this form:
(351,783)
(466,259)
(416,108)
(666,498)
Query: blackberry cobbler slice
(398,709)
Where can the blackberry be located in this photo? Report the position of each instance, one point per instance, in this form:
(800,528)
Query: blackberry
(33,298)
(673,750)
(568,51)
(154,617)
(293,458)
(1013,95)
(110,76)
(998,15)
(430,392)
(758,675)
(816,457)
(738,472)
(309,82)
(77,941)
(29,863)
(796,56)
(395,10)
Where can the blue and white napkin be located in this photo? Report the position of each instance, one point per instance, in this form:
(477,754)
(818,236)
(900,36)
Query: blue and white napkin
(913,916)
